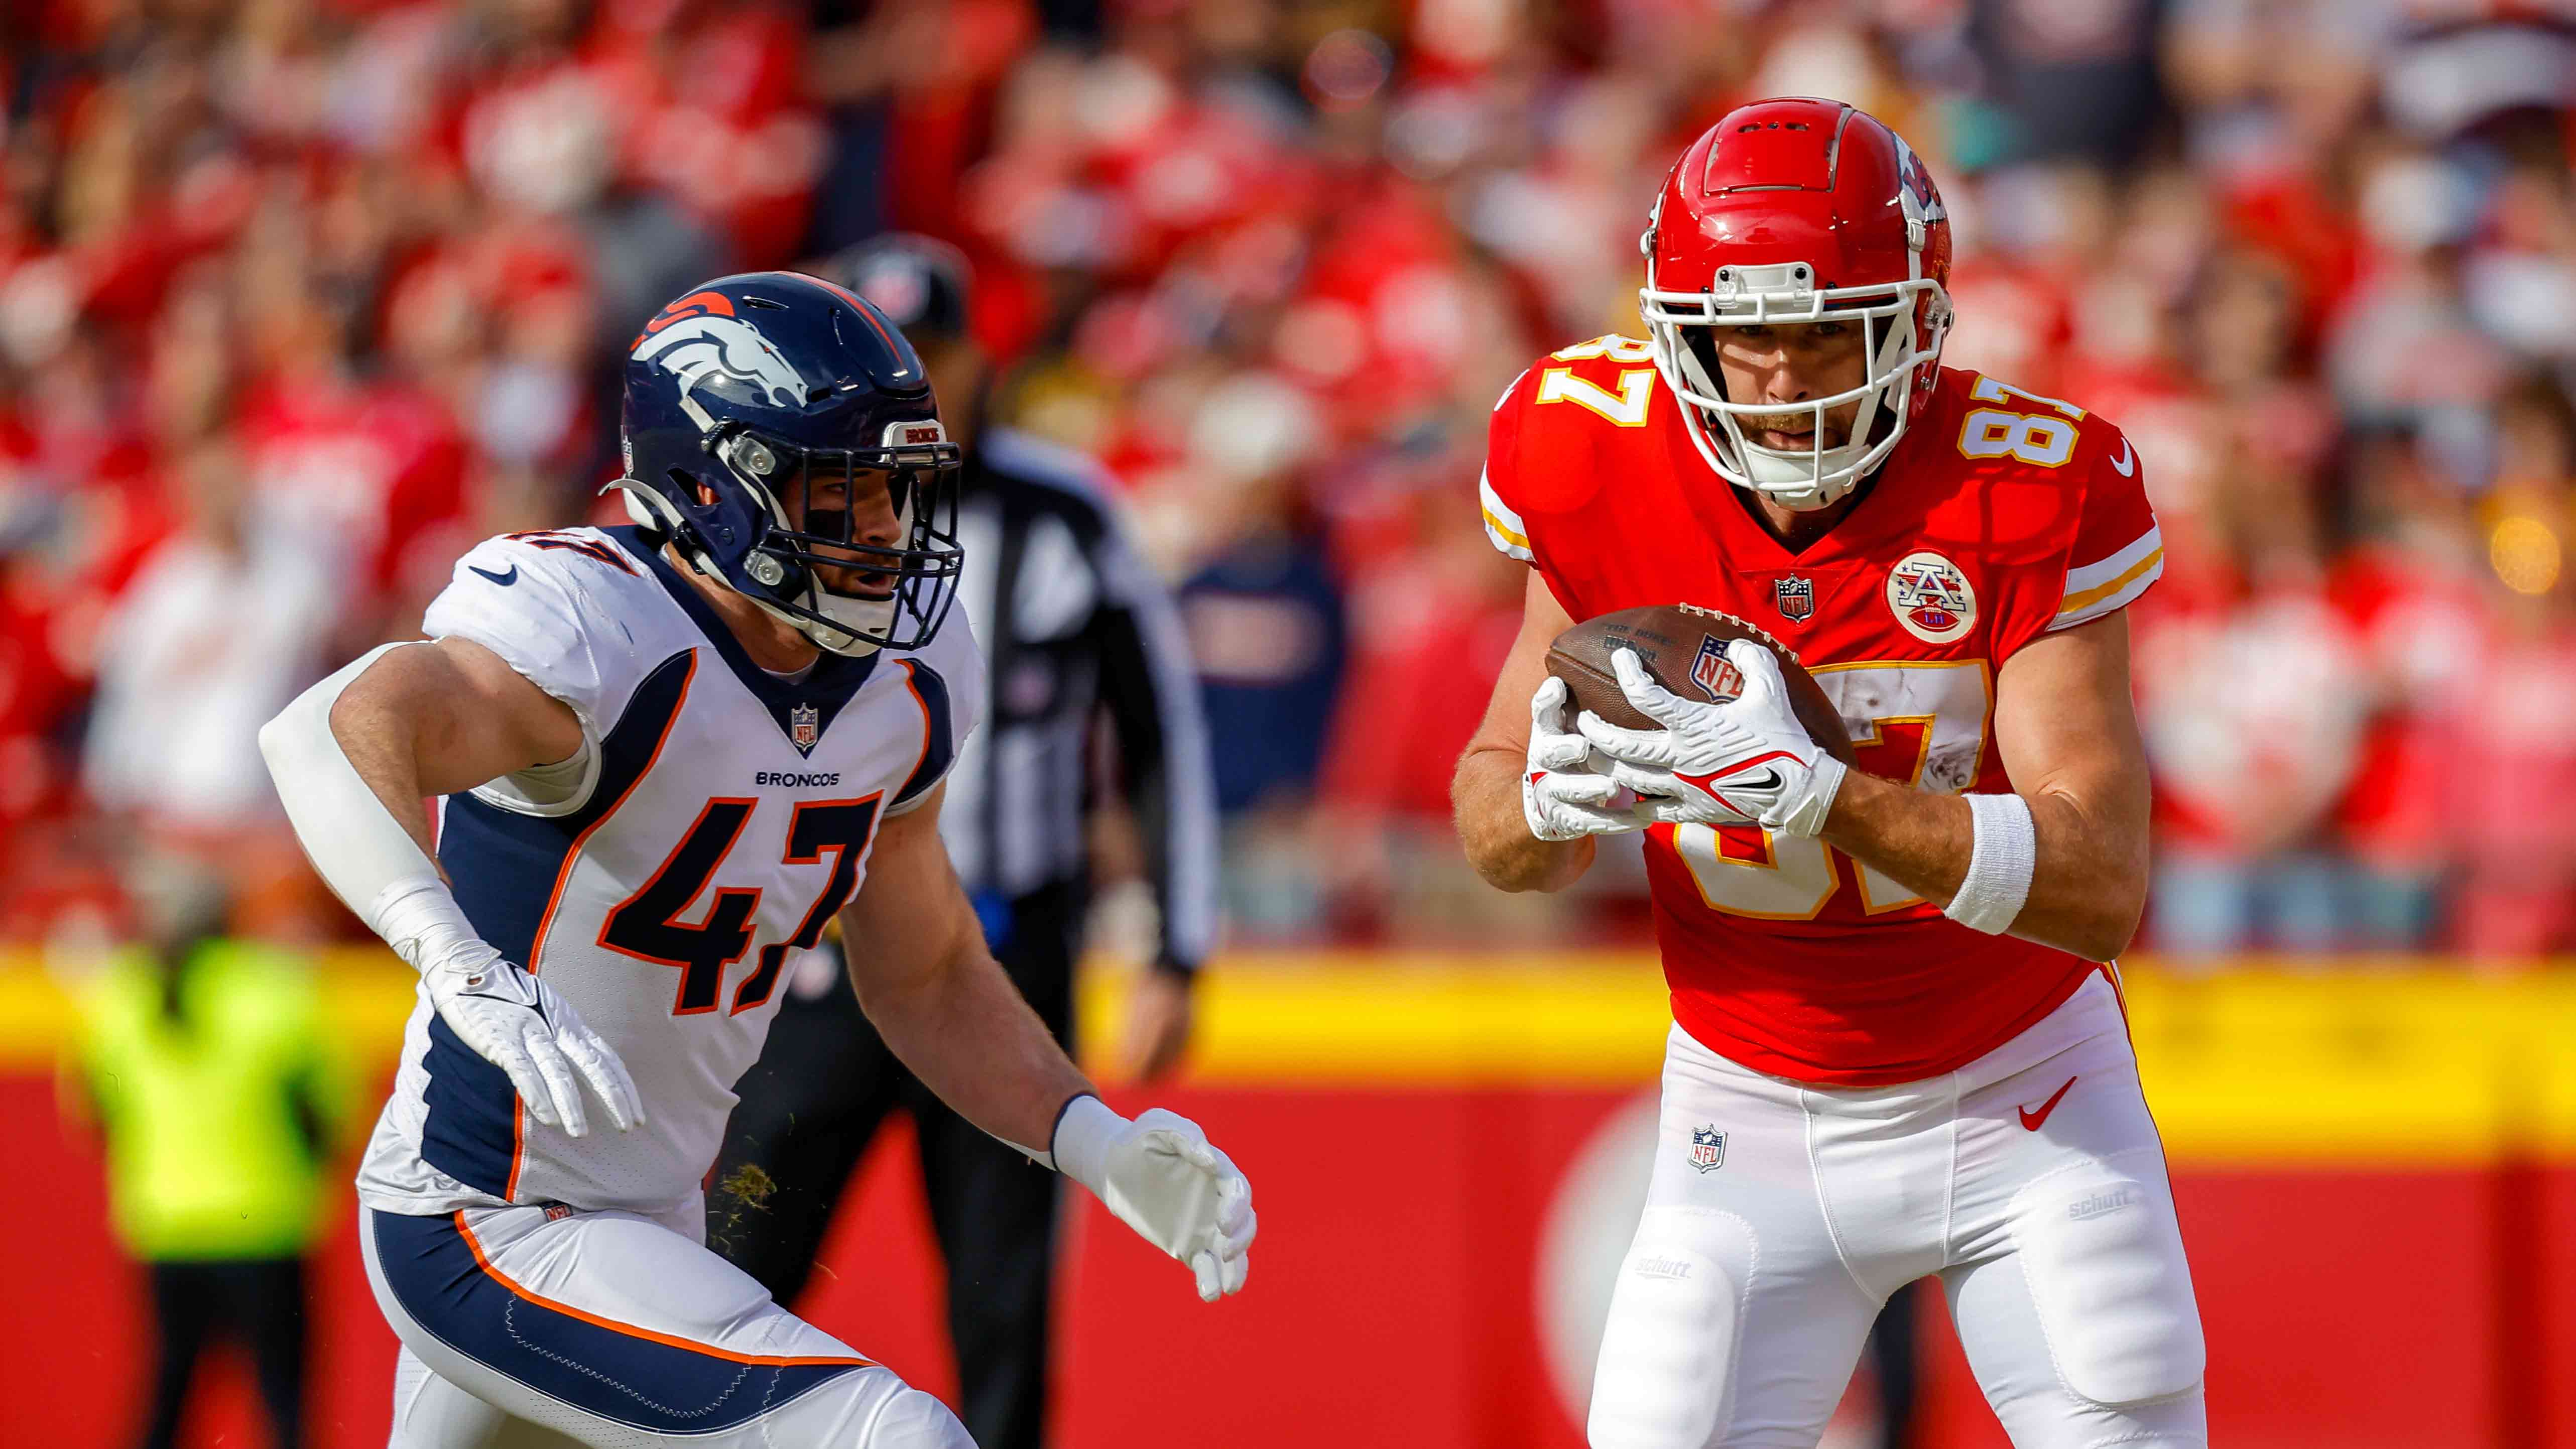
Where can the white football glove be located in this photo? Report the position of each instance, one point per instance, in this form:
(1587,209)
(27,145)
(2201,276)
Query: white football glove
(1562,797)
(521,1025)
(1742,761)
(1160,1175)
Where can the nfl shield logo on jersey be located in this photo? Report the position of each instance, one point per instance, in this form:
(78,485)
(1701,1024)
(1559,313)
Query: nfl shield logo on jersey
(1796,598)
(1715,674)
(1708,1149)
(804,727)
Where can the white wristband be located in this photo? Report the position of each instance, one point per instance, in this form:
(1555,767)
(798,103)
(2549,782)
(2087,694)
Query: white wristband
(2001,861)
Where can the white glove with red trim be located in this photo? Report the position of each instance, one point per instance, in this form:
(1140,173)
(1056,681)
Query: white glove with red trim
(1740,761)
(1562,797)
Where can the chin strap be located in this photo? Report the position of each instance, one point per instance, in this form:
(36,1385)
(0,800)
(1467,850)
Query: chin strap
(1799,488)
(654,513)
(852,645)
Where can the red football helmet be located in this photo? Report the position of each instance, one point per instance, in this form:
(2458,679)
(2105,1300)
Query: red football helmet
(1795,211)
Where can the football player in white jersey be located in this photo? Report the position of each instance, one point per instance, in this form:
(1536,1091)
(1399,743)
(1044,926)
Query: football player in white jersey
(669,755)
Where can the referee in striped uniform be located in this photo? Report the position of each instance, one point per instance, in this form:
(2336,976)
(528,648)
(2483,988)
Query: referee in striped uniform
(1076,630)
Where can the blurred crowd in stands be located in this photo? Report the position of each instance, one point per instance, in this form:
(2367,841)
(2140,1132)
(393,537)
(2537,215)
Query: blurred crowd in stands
(297,297)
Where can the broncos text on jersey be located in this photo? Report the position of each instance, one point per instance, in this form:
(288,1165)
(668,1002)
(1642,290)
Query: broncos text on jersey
(664,879)
(2001,516)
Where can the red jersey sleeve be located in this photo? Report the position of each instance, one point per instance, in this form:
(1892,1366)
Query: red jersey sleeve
(1499,484)
(1569,424)
(2118,550)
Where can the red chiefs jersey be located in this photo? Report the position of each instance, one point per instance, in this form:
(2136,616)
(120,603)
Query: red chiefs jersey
(2001,516)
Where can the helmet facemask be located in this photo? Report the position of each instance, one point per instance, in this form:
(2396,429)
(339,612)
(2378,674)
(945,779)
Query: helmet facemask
(1902,325)
(905,589)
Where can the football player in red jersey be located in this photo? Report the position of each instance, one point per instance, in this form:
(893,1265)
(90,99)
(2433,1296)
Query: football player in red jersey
(1898,1050)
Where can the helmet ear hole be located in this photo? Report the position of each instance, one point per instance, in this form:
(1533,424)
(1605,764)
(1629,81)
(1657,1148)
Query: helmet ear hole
(689,487)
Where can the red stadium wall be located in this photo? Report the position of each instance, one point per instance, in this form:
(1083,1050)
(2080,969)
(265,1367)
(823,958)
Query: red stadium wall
(2376,1190)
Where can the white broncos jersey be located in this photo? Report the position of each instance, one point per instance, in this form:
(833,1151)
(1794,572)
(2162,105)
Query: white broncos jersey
(665,879)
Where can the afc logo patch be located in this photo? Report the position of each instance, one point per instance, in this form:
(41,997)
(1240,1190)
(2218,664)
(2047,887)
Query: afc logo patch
(804,727)
(1795,597)
(1931,598)
(1708,1149)
(1714,673)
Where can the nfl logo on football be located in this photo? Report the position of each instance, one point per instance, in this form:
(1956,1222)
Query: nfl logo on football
(1796,598)
(1708,1149)
(804,727)
(1713,672)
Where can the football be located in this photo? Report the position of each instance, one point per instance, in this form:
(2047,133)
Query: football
(1684,647)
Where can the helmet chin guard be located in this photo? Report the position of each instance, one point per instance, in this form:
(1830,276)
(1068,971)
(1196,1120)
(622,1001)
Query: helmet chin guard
(835,622)
(1785,295)
(1790,213)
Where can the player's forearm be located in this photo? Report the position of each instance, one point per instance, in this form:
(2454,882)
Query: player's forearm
(2086,892)
(1486,793)
(967,1033)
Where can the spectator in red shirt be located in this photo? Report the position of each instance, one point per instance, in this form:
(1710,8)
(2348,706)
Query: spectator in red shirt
(1425,631)
(2253,695)
(2515,764)
(2413,588)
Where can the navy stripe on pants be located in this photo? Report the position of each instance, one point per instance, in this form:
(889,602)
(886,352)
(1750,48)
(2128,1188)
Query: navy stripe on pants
(620,1375)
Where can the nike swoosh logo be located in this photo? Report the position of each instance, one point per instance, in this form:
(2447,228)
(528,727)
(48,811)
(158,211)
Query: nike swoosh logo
(508,998)
(2127,462)
(1769,779)
(2031,1120)
(504,580)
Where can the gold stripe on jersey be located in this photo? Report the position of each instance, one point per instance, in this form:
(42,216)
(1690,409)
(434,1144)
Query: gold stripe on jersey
(2078,602)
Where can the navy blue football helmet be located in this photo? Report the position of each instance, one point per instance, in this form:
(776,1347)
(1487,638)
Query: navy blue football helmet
(758,389)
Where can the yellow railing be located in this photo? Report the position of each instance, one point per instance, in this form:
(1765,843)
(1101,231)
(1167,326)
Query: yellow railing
(2390,1066)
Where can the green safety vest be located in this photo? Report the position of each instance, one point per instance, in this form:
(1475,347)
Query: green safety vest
(209,1121)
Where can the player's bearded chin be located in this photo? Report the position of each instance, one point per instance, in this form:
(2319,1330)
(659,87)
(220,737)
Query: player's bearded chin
(857,581)
(1793,430)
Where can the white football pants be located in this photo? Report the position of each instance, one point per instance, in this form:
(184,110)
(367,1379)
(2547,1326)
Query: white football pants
(542,1327)
(2031,1181)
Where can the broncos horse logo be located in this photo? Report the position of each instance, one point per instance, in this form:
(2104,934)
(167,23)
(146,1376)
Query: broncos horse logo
(698,336)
